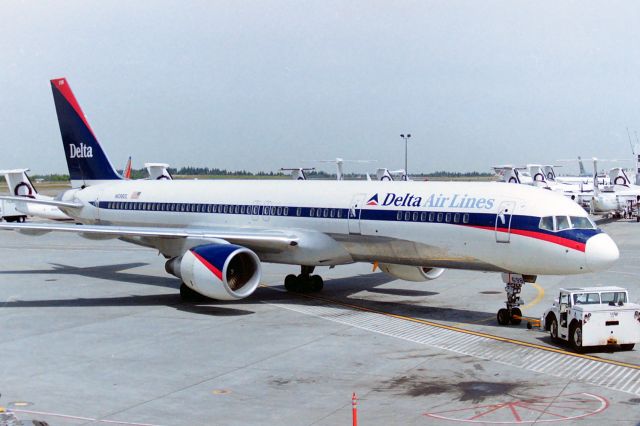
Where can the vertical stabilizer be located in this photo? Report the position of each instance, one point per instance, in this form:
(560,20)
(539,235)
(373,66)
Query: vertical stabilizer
(127,169)
(87,162)
(158,171)
(583,172)
(19,183)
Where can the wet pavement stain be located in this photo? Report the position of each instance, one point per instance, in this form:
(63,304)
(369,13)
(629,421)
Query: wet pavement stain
(632,401)
(473,391)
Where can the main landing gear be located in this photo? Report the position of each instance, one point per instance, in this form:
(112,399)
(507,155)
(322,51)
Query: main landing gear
(513,286)
(305,282)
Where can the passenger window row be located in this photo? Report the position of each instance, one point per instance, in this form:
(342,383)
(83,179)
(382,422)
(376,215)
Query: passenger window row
(325,212)
(226,209)
(408,216)
(203,208)
(265,210)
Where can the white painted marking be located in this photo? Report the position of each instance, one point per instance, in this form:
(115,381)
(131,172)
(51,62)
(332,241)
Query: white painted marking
(590,371)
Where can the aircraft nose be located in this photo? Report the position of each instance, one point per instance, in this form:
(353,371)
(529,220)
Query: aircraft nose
(601,252)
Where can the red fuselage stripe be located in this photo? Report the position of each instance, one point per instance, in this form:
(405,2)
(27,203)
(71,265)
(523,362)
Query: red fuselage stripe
(565,242)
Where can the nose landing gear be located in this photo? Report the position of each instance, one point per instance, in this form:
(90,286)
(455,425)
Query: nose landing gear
(513,286)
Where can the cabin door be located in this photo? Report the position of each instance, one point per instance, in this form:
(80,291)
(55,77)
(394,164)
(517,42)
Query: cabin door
(354,213)
(503,221)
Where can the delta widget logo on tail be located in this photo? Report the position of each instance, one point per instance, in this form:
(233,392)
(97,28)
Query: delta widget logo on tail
(432,201)
(82,151)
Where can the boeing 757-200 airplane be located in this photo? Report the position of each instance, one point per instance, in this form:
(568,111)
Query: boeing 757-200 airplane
(216,234)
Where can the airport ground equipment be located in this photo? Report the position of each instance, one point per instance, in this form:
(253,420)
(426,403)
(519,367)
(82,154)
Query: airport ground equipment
(593,316)
(9,213)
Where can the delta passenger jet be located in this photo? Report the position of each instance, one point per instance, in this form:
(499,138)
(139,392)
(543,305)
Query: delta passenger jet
(216,234)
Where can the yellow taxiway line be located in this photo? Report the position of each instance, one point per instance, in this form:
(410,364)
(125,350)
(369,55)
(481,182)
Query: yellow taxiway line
(538,297)
(465,331)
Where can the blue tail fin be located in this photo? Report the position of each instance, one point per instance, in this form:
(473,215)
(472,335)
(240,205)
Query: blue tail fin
(88,164)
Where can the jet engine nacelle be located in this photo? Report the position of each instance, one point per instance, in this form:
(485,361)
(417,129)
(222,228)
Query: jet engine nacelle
(218,271)
(410,273)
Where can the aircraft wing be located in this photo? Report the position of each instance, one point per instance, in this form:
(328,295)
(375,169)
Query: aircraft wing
(56,203)
(258,238)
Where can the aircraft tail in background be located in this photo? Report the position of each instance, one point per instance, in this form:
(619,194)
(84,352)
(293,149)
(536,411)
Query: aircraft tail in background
(19,183)
(87,162)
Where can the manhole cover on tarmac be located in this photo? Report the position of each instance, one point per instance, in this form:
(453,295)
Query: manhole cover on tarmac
(527,410)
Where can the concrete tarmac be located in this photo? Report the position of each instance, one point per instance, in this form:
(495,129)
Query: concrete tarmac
(94,332)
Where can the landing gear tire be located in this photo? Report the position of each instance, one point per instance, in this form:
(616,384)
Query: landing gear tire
(316,283)
(516,316)
(553,330)
(627,346)
(291,282)
(503,316)
(305,282)
(189,295)
(575,338)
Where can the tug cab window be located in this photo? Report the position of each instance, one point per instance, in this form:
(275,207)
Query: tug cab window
(586,299)
(614,297)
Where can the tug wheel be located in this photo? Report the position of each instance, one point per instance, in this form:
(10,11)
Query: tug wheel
(553,329)
(575,337)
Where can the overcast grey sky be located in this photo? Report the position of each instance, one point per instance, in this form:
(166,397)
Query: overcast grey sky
(265,84)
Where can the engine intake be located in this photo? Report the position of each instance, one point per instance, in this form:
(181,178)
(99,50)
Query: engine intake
(218,271)
(411,273)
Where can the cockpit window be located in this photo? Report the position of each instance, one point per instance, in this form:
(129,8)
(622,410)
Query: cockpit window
(578,222)
(562,222)
(546,223)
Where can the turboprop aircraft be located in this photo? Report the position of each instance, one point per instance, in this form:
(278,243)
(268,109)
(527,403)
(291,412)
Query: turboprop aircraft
(386,174)
(544,176)
(216,234)
(620,198)
(298,173)
(22,190)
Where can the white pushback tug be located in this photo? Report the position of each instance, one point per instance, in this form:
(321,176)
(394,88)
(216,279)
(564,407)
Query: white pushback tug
(593,316)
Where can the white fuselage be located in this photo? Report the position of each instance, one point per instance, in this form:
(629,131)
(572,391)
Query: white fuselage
(479,226)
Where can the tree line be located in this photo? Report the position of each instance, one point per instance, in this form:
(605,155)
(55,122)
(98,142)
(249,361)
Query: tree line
(313,174)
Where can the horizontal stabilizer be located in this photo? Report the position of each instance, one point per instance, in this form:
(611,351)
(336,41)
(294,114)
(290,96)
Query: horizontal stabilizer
(56,203)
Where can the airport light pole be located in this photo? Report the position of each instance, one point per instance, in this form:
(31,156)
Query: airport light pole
(406,140)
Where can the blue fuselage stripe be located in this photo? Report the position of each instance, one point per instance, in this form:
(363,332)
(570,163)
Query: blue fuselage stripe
(478,220)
